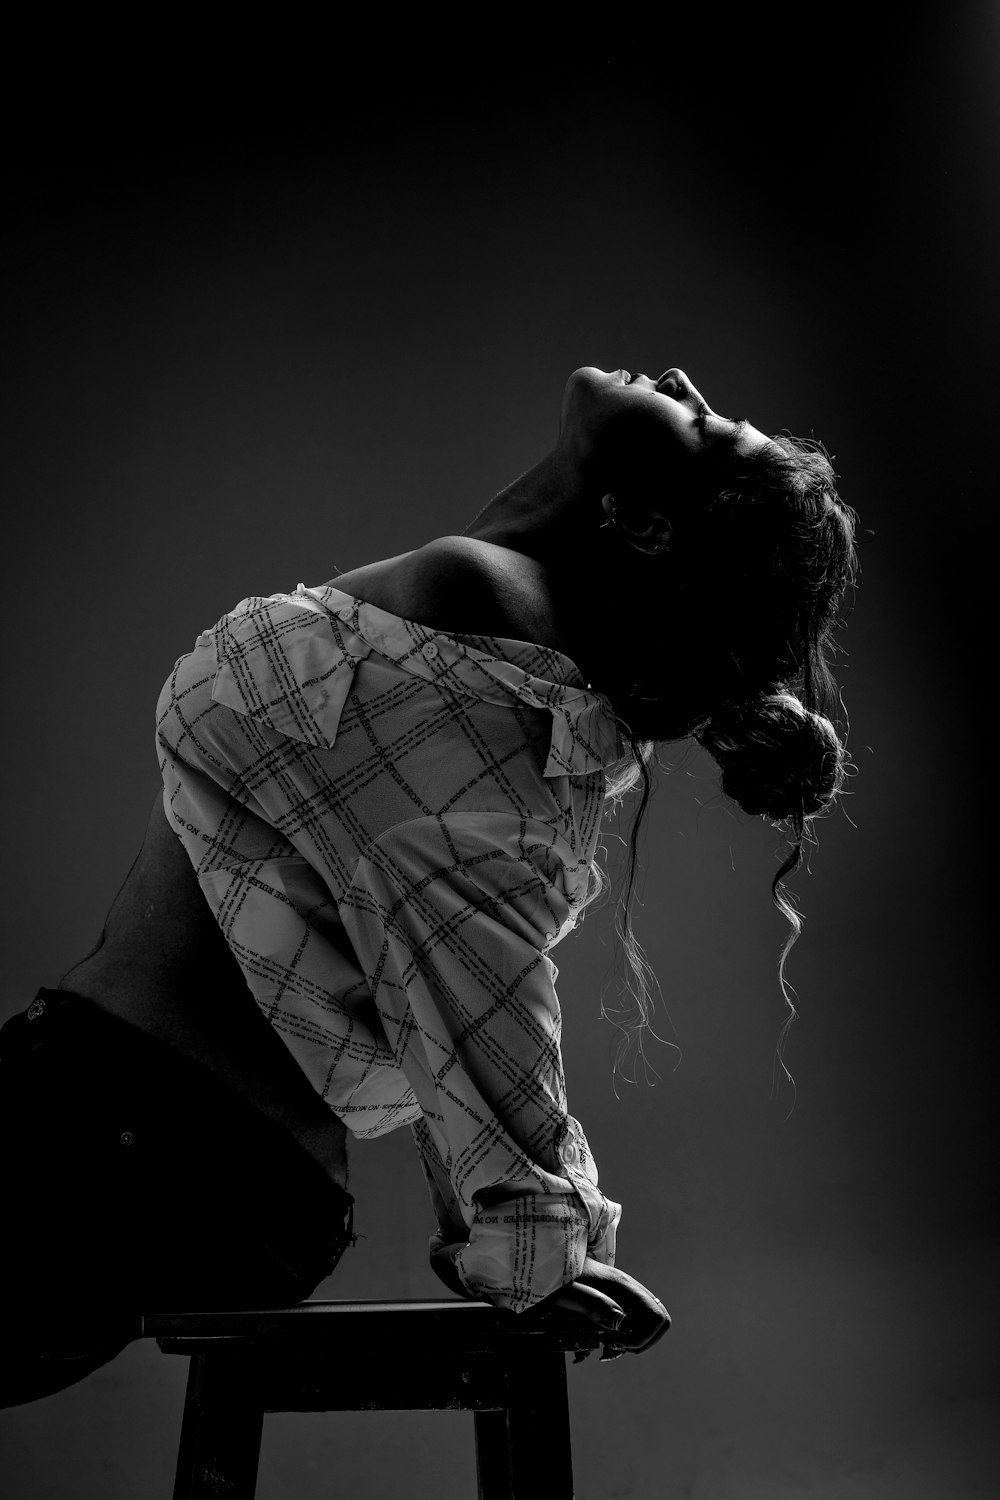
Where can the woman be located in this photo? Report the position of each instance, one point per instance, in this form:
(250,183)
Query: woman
(389,788)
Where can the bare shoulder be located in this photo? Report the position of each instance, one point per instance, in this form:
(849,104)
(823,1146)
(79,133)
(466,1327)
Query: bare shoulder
(463,585)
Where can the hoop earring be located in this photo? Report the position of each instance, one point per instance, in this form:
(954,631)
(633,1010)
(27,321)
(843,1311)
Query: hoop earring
(612,519)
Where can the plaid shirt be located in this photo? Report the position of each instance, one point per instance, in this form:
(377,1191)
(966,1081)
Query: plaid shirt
(393,828)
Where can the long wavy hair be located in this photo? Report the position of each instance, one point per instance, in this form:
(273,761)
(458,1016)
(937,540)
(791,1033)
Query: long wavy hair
(765,558)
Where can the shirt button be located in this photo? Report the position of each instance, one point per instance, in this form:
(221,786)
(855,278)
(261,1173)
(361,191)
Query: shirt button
(127,1137)
(430,650)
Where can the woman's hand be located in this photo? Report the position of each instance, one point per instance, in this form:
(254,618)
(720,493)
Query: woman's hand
(443,1266)
(618,1305)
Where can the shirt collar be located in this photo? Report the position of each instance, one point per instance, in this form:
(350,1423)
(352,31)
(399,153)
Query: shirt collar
(585,736)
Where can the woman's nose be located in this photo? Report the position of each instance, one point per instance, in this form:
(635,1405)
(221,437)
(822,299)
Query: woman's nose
(674,382)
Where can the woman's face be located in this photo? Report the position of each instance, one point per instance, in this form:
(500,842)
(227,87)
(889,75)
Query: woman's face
(667,418)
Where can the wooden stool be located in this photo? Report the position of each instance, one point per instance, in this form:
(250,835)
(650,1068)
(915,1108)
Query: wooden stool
(374,1356)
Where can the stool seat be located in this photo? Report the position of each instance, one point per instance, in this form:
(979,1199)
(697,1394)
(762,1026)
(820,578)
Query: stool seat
(375,1356)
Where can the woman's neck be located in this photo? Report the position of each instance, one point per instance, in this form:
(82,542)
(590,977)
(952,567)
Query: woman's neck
(551,515)
(538,515)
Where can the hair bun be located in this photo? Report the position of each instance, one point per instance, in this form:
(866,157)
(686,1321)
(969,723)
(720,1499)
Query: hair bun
(779,759)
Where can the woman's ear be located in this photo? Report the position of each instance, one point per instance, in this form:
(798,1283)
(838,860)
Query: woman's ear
(647,531)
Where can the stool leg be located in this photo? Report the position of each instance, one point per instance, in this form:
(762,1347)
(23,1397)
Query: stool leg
(220,1434)
(492,1455)
(541,1456)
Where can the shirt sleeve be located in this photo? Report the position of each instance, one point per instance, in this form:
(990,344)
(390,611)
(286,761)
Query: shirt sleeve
(450,919)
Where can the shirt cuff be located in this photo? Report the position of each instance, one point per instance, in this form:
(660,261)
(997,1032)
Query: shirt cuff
(522,1249)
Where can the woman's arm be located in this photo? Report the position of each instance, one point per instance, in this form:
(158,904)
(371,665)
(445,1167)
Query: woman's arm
(450,919)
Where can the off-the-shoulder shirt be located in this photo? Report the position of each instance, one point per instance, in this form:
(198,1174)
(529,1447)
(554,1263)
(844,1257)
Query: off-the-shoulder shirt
(394,827)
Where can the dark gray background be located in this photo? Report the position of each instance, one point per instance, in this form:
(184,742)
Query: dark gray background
(278,307)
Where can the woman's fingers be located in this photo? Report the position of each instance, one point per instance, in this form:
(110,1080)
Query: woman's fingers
(591,1304)
(584,1302)
(607,1299)
(442,1261)
(645,1338)
(630,1325)
(646,1320)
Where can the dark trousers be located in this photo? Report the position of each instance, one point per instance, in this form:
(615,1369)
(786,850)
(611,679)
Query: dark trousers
(133,1181)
